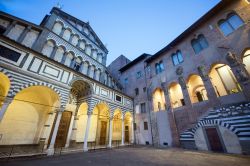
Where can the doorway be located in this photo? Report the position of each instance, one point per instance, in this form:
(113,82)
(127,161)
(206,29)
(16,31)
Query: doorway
(62,133)
(127,134)
(103,133)
(214,140)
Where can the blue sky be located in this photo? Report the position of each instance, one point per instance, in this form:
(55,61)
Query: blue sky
(128,27)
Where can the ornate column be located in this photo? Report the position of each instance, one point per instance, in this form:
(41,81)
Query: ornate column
(212,97)
(110,132)
(69,131)
(52,55)
(122,143)
(73,62)
(7,102)
(50,150)
(23,34)
(85,145)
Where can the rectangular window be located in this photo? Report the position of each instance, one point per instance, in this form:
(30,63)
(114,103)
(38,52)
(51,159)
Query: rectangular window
(9,54)
(143,108)
(145,125)
(138,74)
(144,89)
(126,81)
(136,91)
(118,98)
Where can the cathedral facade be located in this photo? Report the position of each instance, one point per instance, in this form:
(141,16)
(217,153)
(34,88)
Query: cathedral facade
(55,90)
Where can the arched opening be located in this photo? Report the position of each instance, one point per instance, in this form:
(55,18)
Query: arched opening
(66,34)
(128,127)
(223,80)
(48,48)
(102,115)
(246,60)
(117,126)
(4,87)
(57,28)
(28,118)
(176,95)
(59,54)
(158,100)
(196,89)
(69,58)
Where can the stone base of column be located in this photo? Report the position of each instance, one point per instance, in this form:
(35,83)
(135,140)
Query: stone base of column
(50,151)
(110,146)
(85,149)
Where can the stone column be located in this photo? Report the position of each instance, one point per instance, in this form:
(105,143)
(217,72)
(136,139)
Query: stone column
(132,131)
(50,150)
(52,55)
(71,37)
(64,57)
(8,29)
(62,32)
(7,102)
(74,127)
(122,143)
(184,89)
(69,131)
(73,62)
(110,132)
(23,34)
(211,94)
(168,105)
(85,145)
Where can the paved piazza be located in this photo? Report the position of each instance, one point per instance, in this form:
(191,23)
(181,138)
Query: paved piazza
(142,156)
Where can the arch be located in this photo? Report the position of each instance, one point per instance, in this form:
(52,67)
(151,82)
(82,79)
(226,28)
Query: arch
(82,116)
(70,55)
(101,113)
(75,39)
(82,44)
(117,125)
(59,53)
(48,47)
(5,85)
(176,95)
(83,80)
(246,59)
(66,34)
(80,88)
(57,28)
(158,100)
(196,89)
(128,120)
(223,80)
(27,115)
(18,90)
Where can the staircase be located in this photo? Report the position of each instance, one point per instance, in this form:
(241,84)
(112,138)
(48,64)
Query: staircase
(235,117)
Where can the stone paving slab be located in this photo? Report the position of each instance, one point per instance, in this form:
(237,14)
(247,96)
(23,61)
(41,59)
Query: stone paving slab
(139,156)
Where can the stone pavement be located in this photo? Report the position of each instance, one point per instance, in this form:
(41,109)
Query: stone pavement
(137,156)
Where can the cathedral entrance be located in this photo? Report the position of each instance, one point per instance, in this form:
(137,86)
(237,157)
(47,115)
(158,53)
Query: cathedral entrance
(103,133)
(214,139)
(63,129)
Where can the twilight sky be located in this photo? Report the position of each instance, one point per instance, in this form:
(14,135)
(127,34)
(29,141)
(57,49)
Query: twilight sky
(128,27)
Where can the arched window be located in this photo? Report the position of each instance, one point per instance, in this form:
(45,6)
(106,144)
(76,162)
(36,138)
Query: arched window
(48,48)
(159,67)
(177,58)
(59,54)
(199,44)
(57,28)
(230,24)
(66,34)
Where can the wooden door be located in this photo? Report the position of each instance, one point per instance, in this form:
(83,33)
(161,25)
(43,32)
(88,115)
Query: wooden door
(126,134)
(62,133)
(214,140)
(103,133)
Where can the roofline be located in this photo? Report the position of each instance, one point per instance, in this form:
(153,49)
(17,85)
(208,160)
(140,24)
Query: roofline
(134,62)
(98,39)
(194,26)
